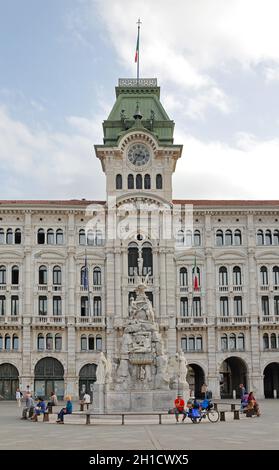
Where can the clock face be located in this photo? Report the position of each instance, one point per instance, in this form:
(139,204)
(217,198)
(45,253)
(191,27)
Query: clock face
(138,154)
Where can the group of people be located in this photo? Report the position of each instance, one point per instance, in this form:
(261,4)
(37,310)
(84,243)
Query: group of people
(33,410)
(249,403)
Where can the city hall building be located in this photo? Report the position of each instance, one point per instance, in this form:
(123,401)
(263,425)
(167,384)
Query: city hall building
(69,269)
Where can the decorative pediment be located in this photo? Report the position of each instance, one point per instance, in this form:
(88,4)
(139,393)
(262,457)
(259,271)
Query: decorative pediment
(93,255)
(11,255)
(270,255)
(230,255)
(48,254)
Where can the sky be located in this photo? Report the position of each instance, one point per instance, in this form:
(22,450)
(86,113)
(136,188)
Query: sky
(216,61)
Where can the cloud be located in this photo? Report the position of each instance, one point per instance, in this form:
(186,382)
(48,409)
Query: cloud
(44,164)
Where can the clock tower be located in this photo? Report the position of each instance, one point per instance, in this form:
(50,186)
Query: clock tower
(138,154)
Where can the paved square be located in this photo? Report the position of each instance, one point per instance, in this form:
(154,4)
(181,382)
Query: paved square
(142,433)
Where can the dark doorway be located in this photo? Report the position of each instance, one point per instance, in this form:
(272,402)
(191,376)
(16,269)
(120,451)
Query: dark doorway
(49,377)
(87,377)
(233,372)
(195,379)
(271,380)
(8,381)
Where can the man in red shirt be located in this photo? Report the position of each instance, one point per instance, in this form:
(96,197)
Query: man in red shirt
(179,404)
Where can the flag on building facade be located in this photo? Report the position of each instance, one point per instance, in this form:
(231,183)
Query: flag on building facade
(85,283)
(195,274)
(137,49)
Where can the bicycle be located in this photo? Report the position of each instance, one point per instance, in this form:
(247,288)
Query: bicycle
(212,415)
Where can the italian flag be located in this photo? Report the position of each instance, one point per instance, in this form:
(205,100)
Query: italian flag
(137,49)
(195,274)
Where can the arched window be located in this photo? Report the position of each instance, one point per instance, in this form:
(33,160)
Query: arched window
(276,237)
(90,237)
(99,238)
(2,305)
(133,254)
(232,342)
(58,342)
(183,277)
(99,343)
(275,271)
(17,236)
(50,237)
(196,272)
(199,343)
(237,276)
(15,343)
(159,182)
(57,275)
(260,237)
(237,237)
(83,343)
(219,238)
(118,182)
(265,341)
(276,305)
(42,275)
(41,236)
(9,236)
(147,256)
(273,341)
(228,237)
(1,342)
(138,181)
(264,276)
(7,342)
(237,304)
(15,275)
(59,237)
(196,306)
(97,307)
(197,238)
(131,183)
(240,342)
(188,238)
(81,237)
(147,182)
(84,277)
(224,306)
(191,343)
(97,277)
(2,274)
(2,236)
(40,342)
(223,276)
(268,237)
(49,342)
(84,306)
(184,343)
(91,343)
(57,305)
(184,307)
(180,238)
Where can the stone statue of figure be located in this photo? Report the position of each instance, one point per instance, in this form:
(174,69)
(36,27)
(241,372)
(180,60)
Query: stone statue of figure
(133,307)
(182,367)
(101,369)
(140,264)
(108,377)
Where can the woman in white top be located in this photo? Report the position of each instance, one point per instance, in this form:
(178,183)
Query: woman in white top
(18,397)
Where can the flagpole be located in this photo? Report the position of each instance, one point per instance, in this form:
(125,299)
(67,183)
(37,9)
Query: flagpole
(88,288)
(138,23)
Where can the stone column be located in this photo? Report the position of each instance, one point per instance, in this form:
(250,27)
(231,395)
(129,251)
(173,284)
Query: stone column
(110,299)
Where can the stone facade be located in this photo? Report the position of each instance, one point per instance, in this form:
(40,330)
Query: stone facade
(226,321)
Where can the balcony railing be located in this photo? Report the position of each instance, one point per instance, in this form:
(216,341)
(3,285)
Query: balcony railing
(90,321)
(10,319)
(91,289)
(42,287)
(184,321)
(58,320)
(271,319)
(223,288)
(232,320)
(134,280)
(264,287)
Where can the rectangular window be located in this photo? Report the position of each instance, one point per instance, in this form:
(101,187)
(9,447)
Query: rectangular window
(14,305)
(265,305)
(184,307)
(43,305)
(84,306)
(2,305)
(57,305)
(276,305)
(196,307)
(224,306)
(97,307)
(237,304)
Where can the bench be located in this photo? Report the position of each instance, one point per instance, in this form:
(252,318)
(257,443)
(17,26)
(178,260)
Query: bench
(122,414)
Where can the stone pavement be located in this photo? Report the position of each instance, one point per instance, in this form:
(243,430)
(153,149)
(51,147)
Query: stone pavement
(141,433)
